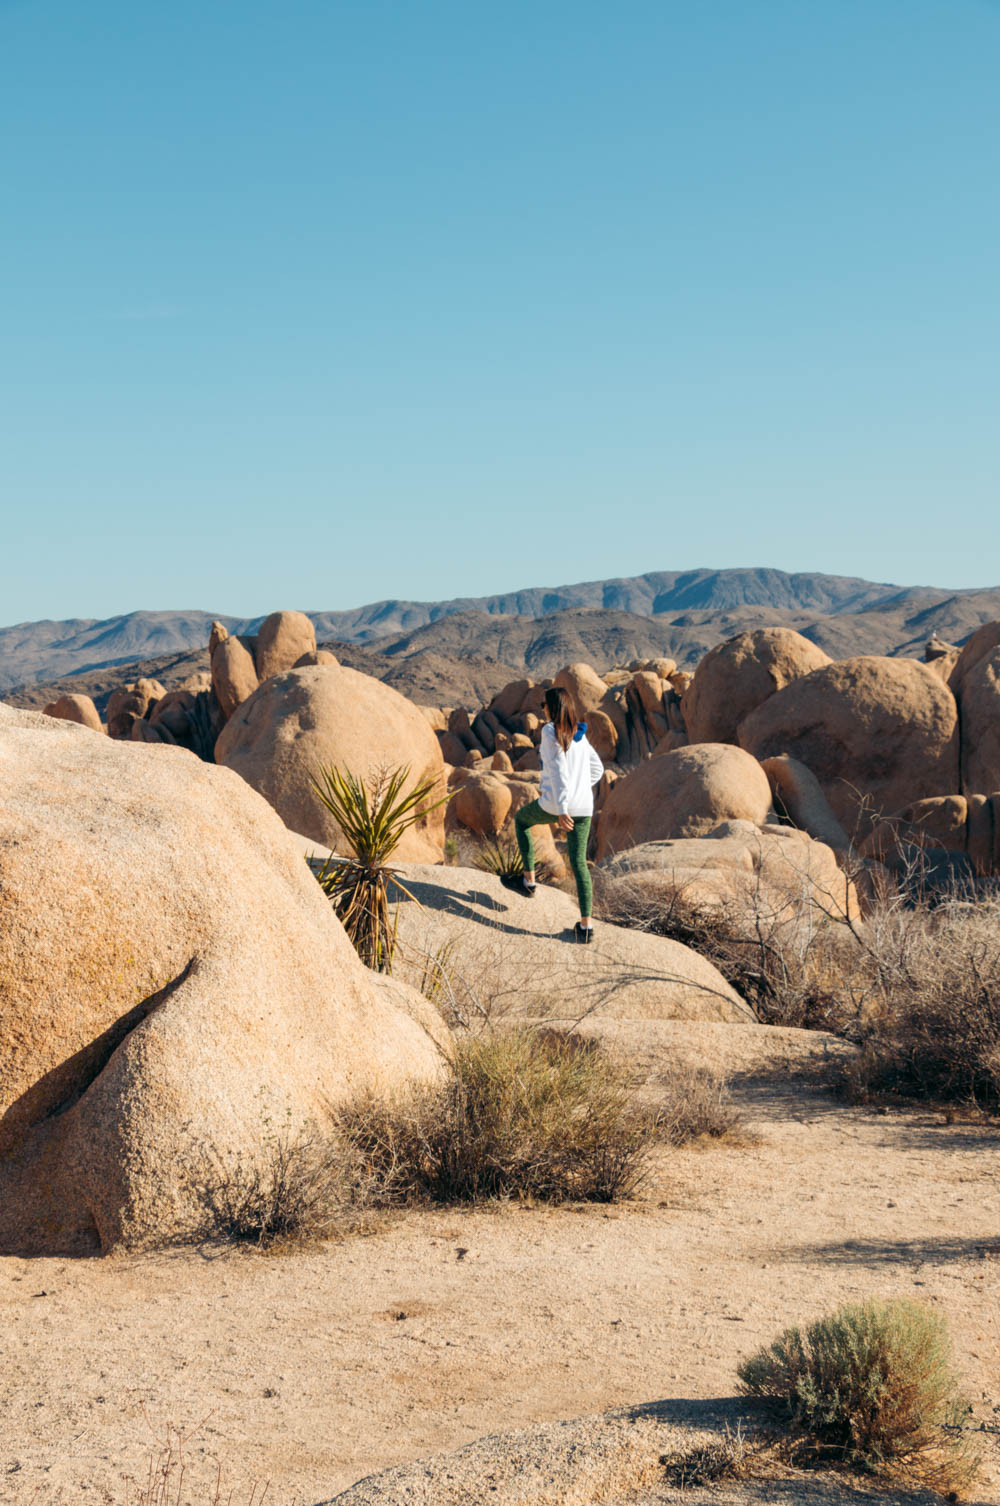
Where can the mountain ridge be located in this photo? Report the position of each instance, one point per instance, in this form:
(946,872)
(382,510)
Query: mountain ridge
(676,613)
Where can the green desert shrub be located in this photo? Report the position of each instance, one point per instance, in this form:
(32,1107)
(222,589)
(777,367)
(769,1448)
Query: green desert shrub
(871,1384)
(522,1113)
(373,814)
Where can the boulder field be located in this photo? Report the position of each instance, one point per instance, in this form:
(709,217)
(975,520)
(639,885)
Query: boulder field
(877,734)
(843,743)
(173,987)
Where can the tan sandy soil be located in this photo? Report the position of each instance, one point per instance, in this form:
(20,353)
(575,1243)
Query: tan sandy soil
(316,1369)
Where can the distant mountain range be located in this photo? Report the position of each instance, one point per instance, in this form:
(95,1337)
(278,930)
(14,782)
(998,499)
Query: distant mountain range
(457,650)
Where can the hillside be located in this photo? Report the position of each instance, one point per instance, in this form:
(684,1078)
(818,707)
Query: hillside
(32,651)
(462,651)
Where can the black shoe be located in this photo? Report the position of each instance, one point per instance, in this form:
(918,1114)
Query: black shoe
(515,883)
(584,933)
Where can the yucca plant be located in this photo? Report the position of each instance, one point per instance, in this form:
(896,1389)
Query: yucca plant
(499,855)
(372,814)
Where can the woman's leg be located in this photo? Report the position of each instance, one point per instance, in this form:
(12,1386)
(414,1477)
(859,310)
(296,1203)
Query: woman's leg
(576,849)
(527,817)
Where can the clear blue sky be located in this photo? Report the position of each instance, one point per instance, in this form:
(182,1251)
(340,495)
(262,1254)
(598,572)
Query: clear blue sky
(314,303)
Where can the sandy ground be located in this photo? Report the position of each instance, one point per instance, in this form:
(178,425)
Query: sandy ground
(315,1369)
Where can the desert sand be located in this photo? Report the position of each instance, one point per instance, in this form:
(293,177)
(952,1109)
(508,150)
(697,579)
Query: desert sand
(315,1369)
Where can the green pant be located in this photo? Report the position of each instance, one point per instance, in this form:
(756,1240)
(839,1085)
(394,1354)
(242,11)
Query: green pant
(576,847)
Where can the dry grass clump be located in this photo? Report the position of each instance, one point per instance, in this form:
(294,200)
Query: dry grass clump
(872,1386)
(695,1105)
(294,1190)
(523,1113)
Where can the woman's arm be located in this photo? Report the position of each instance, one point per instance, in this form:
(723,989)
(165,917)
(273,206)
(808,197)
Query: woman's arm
(596,767)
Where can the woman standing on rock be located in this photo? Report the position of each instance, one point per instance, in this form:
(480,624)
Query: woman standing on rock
(570,769)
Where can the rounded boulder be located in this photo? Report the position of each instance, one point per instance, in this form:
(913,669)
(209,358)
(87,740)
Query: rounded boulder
(304,720)
(737,676)
(482,804)
(234,675)
(684,793)
(76,708)
(584,685)
(183,988)
(877,733)
(282,639)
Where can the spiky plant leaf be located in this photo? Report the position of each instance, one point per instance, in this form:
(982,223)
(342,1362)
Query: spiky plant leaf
(372,814)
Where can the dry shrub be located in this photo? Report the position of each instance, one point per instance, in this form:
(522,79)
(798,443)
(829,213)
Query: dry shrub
(293,1190)
(167,1479)
(932,1028)
(872,1386)
(915,984)
(730,1456)
(785,957)
(695,1105)
(524,1113)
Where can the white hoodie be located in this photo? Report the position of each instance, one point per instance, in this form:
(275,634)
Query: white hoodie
(568,778)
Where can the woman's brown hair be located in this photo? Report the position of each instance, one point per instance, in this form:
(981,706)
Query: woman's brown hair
(562,714)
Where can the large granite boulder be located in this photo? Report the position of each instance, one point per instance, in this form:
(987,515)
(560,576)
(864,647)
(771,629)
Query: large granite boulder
(301,721)
(877,733)
(682,793)
(488,951)
(775,873)
(742,673)
(173,984)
